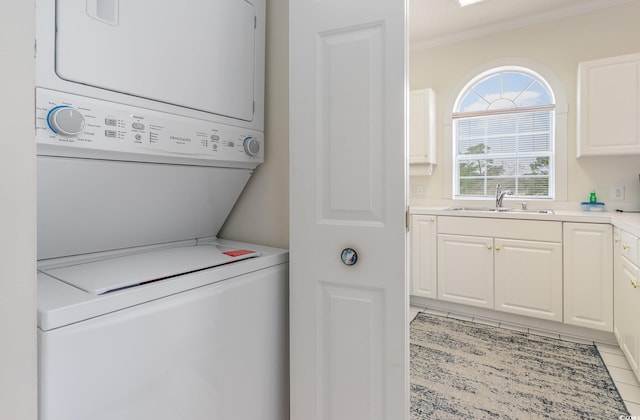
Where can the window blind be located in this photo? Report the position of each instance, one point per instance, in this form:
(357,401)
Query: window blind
(511,147)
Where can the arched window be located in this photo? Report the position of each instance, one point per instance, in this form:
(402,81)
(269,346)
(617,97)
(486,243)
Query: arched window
(503,133)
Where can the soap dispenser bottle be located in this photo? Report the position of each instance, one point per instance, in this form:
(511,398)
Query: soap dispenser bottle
(592,197)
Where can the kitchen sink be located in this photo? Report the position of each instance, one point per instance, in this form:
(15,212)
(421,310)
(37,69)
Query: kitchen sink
(499,210)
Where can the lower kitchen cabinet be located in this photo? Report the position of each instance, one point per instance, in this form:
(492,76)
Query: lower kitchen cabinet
(528,278)
(423,255)
(465,270)
(588,275)
(627,313)
(508,265)
(552,270)
(617,276)
(626,300)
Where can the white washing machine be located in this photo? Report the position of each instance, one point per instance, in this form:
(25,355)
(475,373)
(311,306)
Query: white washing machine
(146,135)
(137,321)
(189,330)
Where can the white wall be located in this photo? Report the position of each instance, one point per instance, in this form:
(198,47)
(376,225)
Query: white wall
(559,46)
(261,215)
(18,371)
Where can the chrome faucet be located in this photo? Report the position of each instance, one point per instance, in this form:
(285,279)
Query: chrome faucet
(500,195)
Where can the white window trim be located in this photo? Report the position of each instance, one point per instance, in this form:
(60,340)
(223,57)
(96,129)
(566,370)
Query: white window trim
(561,125)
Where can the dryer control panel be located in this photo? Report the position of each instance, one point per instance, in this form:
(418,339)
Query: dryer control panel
(77,126)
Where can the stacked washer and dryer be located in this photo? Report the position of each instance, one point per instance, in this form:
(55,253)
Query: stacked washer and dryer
(149,123)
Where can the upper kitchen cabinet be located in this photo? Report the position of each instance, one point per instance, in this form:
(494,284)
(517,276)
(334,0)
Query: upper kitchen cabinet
(422,131)
(609,106)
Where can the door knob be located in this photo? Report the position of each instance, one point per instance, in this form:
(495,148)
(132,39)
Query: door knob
(349,256)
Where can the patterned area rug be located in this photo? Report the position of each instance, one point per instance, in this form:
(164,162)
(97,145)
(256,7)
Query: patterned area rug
(465,370)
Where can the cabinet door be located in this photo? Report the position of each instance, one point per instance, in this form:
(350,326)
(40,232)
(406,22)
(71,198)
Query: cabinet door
(588,275)
(465,270)
(422,127)
(609,106)
(528,278)
(423,256)
(618,290)
(628,308)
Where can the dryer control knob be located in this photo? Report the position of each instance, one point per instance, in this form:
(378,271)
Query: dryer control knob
(65,120)
(251,146)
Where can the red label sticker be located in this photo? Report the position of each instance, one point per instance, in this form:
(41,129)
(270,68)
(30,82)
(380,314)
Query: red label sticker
(238,252)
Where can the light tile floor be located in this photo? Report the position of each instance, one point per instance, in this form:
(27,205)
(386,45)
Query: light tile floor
(613,357)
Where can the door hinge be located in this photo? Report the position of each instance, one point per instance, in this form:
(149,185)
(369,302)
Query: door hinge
(407,219)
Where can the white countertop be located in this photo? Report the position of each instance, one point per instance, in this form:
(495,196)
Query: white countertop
(627,221)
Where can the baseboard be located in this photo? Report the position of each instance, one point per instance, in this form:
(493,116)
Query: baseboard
(573,331)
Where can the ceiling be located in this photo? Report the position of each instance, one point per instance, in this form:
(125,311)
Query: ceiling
(438,22)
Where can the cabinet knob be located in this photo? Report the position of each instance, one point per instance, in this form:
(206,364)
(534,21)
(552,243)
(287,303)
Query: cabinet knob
(433,219)
(616,239)
(634,283)
(489,246)
(625,246)
(497,247)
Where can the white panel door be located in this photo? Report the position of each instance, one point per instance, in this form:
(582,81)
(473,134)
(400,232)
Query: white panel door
(349,327)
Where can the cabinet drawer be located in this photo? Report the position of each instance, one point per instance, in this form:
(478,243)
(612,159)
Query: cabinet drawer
(532,230)
(630,275)
(629,246)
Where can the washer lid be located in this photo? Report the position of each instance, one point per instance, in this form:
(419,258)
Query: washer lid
(104,276)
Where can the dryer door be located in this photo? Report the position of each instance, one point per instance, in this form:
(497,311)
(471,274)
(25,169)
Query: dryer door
(198,54)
